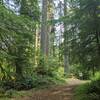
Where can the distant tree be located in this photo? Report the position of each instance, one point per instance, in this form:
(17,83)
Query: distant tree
(66,38)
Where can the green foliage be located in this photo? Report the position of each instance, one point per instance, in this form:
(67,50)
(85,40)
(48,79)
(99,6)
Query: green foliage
(21,84)
(8,94)
(89,91)
(47,80)
(96,76)
(30,8)
(49,67)
(78,69)
(84,30)
(42,81)
(16,43)
(17,48)
(17,34)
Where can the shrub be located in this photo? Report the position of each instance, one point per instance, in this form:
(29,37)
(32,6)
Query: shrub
(76,69)
(96,76)
(21,84)
(89,91)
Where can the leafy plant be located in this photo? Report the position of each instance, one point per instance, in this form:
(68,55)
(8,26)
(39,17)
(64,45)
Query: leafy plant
(89,91)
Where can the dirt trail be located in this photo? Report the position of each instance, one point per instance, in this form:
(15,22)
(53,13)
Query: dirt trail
(64,92)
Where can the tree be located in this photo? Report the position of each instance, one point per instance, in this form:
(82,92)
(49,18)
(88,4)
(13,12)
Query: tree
(66,51)
(44,34)
(85,26)
(17,36)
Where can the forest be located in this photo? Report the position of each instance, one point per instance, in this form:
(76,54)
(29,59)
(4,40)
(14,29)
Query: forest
(49,49)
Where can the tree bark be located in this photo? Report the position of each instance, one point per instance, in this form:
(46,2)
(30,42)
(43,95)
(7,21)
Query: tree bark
(44,34)
(98,42)
(66,56)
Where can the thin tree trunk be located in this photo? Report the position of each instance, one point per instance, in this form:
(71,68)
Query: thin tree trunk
(36,46)
(98,42)
(98,45)
(66,58)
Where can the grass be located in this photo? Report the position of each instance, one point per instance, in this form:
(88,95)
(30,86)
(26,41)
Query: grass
(10,94)
(90,90)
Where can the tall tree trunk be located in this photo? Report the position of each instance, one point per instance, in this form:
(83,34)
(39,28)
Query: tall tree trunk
(66,57)
(44,35)
(98,42)
(60,34)
(37,46)
(50,17)
(98,46)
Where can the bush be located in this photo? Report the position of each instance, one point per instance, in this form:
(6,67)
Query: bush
(89,91)
(22,84)
(48,67)
(41,76)
(96,76)
(76,69)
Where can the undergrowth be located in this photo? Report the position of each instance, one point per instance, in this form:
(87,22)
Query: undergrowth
(13,88)
(89,91)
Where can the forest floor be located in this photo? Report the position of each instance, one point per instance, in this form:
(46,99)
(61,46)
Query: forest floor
(65,92)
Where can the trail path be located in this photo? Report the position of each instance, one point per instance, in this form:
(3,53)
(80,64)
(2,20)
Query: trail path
(64,92)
